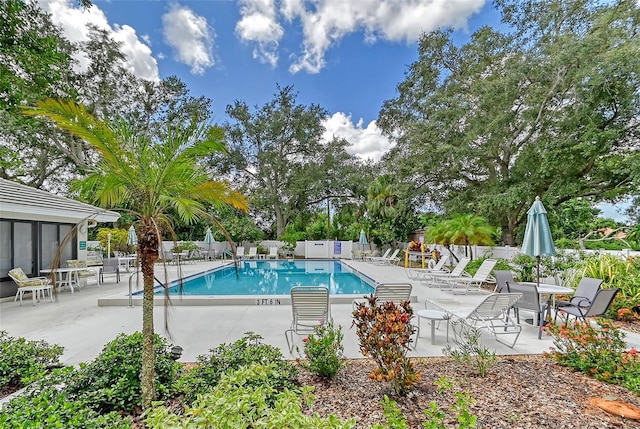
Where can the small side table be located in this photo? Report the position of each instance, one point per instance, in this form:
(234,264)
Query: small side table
(434,316)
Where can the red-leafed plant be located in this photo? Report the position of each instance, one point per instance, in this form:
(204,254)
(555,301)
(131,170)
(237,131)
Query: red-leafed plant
(385,336)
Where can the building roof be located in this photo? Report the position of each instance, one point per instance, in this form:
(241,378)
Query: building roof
(19,201)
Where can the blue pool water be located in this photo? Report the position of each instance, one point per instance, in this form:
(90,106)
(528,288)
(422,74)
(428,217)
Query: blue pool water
(277,278)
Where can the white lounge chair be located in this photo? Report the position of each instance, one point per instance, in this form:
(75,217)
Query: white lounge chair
(492,314)
(436,277)
(273,253)
(386,292)
(464,283)
(240,252)
(253,253)
(36,285)
(389,260)
(374,258)
(419,273)
(310,308)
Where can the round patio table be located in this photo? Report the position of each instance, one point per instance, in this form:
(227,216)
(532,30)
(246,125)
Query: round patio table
(434,316)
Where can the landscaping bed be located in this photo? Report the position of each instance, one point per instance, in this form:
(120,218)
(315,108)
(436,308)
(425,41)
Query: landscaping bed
(530,391)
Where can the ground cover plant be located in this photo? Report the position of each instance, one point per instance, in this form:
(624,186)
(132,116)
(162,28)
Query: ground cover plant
(248,350)
(24,361)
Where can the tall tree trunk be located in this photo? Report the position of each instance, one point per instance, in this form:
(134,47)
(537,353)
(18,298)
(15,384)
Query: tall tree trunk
(148,249)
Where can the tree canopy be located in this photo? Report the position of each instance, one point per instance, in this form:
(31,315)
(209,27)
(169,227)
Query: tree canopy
(278,155)
(549,108)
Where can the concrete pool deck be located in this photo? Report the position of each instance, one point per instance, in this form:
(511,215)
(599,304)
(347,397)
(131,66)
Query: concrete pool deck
(76,321)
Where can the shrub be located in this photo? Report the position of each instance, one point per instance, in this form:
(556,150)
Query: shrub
(246,351)
(385,336)
(25,361)
(323,351)
(47,404)
(470,351)
(599,351)
(246,398)
(112,380)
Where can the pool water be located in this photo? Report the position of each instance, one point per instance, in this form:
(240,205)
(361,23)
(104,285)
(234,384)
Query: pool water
(276,278)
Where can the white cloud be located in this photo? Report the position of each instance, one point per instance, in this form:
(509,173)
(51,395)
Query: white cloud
(190,36)
(325,22)
(74,23)
(366,143)
(259,25)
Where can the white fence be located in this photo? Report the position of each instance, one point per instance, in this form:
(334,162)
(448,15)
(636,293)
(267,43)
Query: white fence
(330,249)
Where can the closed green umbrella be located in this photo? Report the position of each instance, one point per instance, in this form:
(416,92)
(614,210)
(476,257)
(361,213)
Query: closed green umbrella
(537,235)
(363,239)
(132,238)
(208,239)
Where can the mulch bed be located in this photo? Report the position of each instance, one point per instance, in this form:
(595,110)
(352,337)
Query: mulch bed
(519,392)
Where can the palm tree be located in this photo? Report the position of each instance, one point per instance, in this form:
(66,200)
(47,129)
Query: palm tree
(382,198)
(150,179)
(465,230)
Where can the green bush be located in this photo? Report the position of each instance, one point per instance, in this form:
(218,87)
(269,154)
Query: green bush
(323,350)
(46,404)
(226,357)
(112,380)
(246,398)
(23,362)
(598,351)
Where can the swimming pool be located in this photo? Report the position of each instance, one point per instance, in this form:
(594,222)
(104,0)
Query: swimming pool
(268,278)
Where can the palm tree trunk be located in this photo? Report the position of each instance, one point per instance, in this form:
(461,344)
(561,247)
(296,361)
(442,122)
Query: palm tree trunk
(148,248)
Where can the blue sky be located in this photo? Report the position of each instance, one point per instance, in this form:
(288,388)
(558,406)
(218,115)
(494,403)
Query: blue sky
(345,55)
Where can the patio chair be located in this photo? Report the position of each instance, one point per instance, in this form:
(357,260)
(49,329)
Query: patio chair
(273,253)
(530,300)
(386,292)
(433,278)
(36,285)
(389,260)
(583,297)
(253,253)
(492,314)
(240,252)
(310,308)
(503,279)
(84,275)
(466,284)
(110,266)
(598,306)
(372,258)
(419,273)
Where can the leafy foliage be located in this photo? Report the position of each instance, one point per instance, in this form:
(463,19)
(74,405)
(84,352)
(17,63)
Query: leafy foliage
(112,380)
(277,153)
(246,397)
(384,331)
(25,361)
(598,351)
(48,404)
(512,114)
(323,350)
(227,357)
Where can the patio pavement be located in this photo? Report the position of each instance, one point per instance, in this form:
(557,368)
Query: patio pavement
(76,322)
